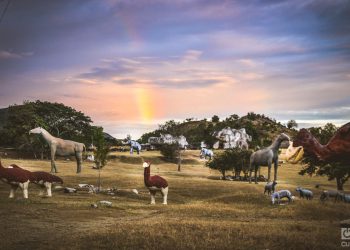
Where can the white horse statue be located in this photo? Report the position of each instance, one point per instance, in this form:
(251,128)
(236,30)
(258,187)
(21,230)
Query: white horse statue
(61,147)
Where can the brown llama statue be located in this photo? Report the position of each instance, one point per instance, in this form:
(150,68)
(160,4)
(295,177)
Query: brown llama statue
(337,149)
(42,179)
(15,177)
(155,183)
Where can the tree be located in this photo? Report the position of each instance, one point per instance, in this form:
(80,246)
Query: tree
(215,119)
(101,152)
(292,124)
(59,120)
(172,153)
(230,160)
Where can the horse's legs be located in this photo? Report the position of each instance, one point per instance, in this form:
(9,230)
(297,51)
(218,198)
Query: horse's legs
(250,173)
(275,168)
(131,150)
(269,172)
(255,172)
(79,158)
(53,165)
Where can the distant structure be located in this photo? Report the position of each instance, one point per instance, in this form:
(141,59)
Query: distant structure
(232,138)
(168,139)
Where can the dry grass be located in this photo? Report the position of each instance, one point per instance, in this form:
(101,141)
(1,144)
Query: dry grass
(202,213)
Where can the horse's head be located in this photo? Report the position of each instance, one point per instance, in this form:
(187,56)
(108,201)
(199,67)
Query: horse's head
(38,130)
(283,137)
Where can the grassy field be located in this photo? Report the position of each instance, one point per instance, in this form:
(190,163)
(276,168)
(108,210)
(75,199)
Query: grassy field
(203,212)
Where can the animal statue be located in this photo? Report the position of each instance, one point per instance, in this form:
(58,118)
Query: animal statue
(267,156)
(344,197)
(42,179)
(134,145)
(292,154)
(277,196)
(305,193)
(337,149)
(326,194)
(206,152)
(270,187)
(61,147)
(15,177)
(155,183)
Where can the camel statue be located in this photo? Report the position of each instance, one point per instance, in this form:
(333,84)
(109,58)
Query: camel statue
(267,156)
(337,149)
(61,147)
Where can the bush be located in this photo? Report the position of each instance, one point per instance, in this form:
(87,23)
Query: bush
(170,151)
(230,160)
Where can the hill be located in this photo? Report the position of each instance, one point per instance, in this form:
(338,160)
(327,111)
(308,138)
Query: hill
(262,129)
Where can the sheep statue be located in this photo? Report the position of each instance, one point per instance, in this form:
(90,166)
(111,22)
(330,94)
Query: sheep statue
(344,197)
(155,183)
(304,193)
(15,177)
(326,194)
(270,187)
(281,194)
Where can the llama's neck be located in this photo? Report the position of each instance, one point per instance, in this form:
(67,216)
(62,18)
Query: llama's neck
(147,174)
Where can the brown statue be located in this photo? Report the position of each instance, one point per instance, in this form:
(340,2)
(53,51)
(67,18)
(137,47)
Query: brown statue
(337,149)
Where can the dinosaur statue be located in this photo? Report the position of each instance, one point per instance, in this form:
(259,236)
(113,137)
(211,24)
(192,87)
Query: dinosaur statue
(292,154)
(61,147)
(267,156)
(337,148)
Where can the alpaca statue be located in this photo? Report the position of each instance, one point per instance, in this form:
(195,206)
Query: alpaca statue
(61,147)
(42,179)
(337,148)
(155,183)
(15,177)
(267,156)
(206,152)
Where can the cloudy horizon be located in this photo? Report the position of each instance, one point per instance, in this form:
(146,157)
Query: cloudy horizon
(131,65)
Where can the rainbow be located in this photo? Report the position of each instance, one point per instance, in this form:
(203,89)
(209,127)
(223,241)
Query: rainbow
(145,104)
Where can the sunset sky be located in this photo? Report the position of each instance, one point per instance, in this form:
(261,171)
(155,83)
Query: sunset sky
(133,64)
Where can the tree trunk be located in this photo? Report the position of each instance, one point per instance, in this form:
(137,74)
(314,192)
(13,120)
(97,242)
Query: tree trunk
(179,162)
(223,174)
(340,184)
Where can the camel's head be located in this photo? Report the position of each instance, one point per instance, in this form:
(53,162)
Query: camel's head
(146,164)
(302,138)
(38,130)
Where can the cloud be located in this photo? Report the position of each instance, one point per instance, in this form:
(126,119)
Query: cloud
(192,55)
(11,55)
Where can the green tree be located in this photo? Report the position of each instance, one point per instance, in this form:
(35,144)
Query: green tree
(236,160)
(215,119)
(292,124)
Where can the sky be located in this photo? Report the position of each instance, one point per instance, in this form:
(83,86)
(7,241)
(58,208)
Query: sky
(133,64)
